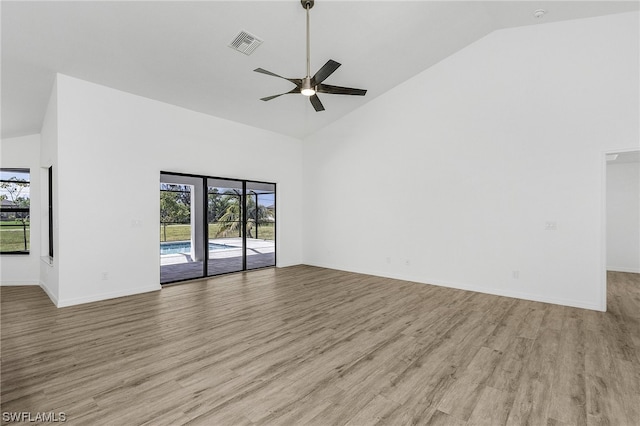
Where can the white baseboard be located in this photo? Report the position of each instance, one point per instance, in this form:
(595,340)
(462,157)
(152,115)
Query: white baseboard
(16,283)
(623,269)
(49,293)
(475,288)
(62,303)
(524,296)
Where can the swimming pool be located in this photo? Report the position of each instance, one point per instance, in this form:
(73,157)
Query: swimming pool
(185,247)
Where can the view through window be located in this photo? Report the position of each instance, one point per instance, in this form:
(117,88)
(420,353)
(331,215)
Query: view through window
(14,211)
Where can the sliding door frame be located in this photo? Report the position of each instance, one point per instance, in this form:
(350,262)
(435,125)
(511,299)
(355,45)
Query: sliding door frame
(205,225)
(243,202)
(243,225)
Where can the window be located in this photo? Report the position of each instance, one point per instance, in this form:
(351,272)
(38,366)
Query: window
(14,211)
(50,209)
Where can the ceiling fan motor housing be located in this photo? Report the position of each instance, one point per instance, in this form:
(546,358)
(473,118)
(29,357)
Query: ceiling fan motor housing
(306,88)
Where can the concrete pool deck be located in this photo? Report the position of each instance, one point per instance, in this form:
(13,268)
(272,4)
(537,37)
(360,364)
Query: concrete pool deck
(260,254)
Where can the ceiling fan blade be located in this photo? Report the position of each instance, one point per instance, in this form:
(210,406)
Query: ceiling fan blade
(324,72)
(337,90)
(268,98)
(263,71)
(315,101)
(296,81)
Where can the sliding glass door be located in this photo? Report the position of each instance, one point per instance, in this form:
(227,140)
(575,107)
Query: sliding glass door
(181,251)
(225,214)
(260,205)
(211,226)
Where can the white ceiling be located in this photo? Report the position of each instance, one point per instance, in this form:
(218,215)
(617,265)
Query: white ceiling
(176,52)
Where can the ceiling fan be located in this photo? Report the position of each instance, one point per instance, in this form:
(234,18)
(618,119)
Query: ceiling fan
(311,86)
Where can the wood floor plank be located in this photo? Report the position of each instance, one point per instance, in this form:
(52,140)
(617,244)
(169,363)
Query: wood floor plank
(507,375)
(443,419)
(568,396)
(492,408)
(530,405)
(307,345)
(462,397)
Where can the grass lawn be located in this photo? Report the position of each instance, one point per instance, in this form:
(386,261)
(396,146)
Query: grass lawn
(12,237)
(183,232)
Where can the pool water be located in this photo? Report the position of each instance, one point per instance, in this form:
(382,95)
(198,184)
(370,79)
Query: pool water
(181,248)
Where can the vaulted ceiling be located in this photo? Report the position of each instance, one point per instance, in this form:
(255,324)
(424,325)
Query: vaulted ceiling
(177,52)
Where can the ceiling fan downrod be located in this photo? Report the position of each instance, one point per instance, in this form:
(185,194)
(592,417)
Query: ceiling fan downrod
(306,88)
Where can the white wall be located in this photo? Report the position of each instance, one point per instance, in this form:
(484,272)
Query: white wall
(623,217)
(111,148)
(452,177)
(50,268)
(24,152)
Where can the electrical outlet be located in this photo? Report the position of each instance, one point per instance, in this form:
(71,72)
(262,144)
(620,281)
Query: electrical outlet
(105,276)
(550,226)
(515,274)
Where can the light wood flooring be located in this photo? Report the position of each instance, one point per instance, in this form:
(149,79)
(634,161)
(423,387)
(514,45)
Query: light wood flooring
(306,345)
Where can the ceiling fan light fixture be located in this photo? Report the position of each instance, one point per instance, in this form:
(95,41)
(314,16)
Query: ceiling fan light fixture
(310,86)
(308,92)
(306,88)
